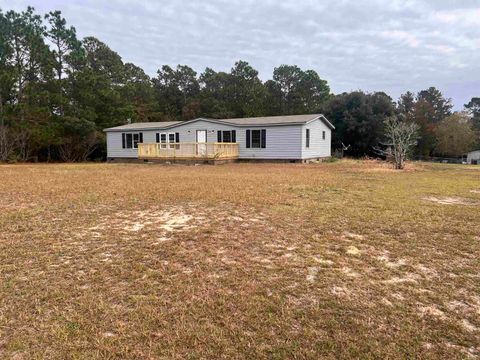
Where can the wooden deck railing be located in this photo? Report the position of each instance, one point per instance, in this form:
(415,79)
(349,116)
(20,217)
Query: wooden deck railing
(183,150)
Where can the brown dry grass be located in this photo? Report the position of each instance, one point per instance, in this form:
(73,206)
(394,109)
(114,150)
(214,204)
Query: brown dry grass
(340,260)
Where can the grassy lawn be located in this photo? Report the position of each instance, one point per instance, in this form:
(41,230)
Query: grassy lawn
(341,260)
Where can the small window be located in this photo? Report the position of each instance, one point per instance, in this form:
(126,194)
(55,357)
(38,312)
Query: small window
(256,142)
(163,141)
(129,138)
(168,140)
(131,141)
(323,135)
(307,144)
(227,136)
(136,140)
(171,140)
(256,139)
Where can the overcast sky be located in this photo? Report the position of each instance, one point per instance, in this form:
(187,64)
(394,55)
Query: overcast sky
(373,45)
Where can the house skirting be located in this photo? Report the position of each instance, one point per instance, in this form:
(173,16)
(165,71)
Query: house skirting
(213,161)
(171,161)
(284,161)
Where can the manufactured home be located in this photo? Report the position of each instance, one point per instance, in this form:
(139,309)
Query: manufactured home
(284,138)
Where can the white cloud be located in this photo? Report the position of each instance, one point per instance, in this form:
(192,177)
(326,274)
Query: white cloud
(468,17)
(442,49)
(403,36)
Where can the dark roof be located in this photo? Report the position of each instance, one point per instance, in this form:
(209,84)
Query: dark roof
(145,125)
(265,120)
(252,121)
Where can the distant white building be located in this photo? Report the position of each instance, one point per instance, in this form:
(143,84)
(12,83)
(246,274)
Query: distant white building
(473,157)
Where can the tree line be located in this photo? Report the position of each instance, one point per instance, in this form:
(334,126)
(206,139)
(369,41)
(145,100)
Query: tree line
(58,92)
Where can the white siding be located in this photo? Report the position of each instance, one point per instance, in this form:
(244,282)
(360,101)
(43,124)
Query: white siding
(473,155)
(318,146)
(282,142)
(114,144)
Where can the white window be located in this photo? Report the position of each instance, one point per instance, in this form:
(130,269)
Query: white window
(168,139)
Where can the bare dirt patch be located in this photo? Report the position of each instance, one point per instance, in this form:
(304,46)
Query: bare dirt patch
(171,219)
(352,236)
(451,201)
(432,310)
(312,274)
(385,259)
(407,278)
(353,250)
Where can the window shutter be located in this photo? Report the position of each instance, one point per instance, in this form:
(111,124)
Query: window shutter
(263,140)
(308,139)
(177,137)
(219,136)
(248,139)
(123,140)
(234,136)
(141,138)
(158,137)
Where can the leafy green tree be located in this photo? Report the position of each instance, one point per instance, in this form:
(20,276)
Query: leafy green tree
(215,94)
(28,59)
(95,88)
(102,60)
(138,93)
(7,78)
(67,48)
(358,118)
(246,90)
(7,82)
(274,98)
(406,105)
(473,108)
(313,90)
(67,56)
(301,91)
(423,113)
(288,79)
(175,88)
(428,108)
(441,107)
(455,135)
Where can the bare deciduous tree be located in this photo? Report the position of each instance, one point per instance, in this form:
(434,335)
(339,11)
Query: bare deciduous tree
(77,150)
(7,145)
(400,138)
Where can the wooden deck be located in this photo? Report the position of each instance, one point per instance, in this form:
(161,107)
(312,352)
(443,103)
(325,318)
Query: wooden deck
(188,151)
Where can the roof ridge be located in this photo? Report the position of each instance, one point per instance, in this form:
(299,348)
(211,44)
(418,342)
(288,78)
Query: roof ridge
(277,120)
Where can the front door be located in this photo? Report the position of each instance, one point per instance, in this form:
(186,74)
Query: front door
(201,142)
